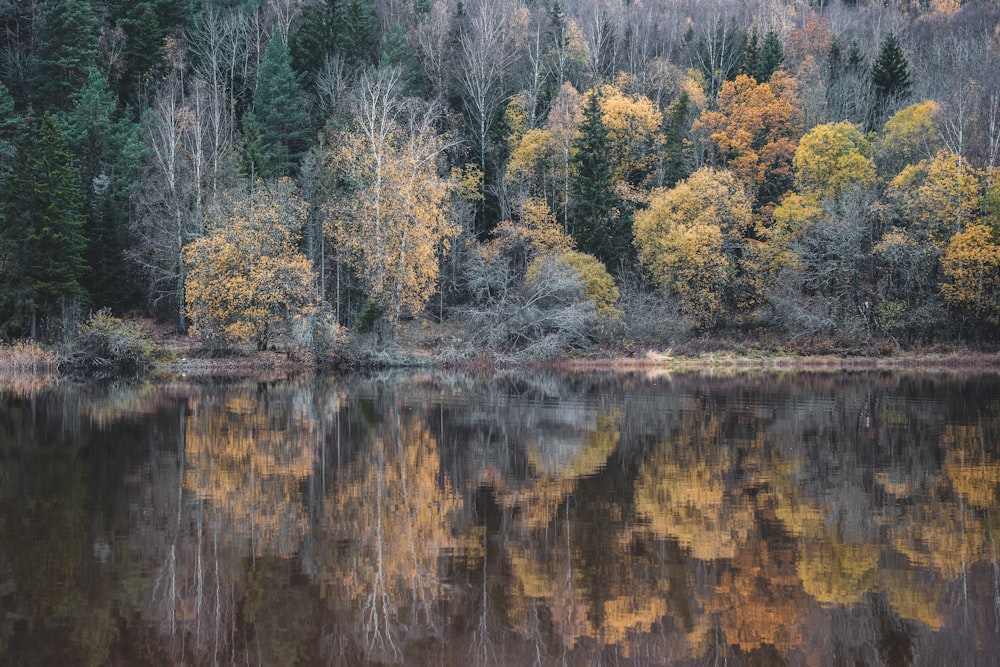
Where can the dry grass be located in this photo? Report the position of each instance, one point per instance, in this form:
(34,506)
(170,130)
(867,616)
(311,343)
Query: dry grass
(26,367)
(26,357)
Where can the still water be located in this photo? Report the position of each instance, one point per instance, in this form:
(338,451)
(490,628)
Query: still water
(515,519)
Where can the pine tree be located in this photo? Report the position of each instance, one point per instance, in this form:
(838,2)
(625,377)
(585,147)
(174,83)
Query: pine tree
(772,55)
(107,151)
(751,55)
(280,111)
(890,79)
(598,225)
(356,43)
(320,35)
(674,148)
(144,51)
(10,125)
(41,232)
(67,49)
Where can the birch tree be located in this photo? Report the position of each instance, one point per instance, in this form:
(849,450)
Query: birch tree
(391,222)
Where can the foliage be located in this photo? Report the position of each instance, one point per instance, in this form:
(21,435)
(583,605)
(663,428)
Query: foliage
(598,222)
(391,223)
(41,231)
(935,198)
(908,137)
(755,129)
(831,159)
(545,314)
(891,83)
(67,49)
(690,239)
(599,286)
(107,345)
(246,279)
(971,264)
(279,108)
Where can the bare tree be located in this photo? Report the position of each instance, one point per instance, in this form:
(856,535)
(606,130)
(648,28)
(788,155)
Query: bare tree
(488,51)
(165,223)
(433,36)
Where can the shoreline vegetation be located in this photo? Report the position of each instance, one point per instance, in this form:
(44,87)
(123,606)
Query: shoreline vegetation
(149,351)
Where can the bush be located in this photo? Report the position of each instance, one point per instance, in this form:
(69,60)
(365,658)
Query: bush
(106,345)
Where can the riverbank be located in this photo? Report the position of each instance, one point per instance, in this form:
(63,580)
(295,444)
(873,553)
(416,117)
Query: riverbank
(185,356)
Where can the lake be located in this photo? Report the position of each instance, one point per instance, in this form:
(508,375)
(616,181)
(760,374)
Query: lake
(445,518)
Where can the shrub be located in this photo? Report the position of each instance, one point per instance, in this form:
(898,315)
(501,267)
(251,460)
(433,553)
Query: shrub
(107,345)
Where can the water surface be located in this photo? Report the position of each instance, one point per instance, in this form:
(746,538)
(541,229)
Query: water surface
(515,519)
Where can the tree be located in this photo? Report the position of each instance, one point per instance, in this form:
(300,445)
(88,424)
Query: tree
(108,152)
(391,221)
(598,224)
(144,51)
(761,60)
(908,137)
(67,49)
(246,280)
(971,264)
(10,127)
(488,50)
(755,129)
(280,111)
(691,239)
(891,84)
(831,159)
(635,138)
(41,230)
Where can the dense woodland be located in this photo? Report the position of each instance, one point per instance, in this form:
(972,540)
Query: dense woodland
(527,177)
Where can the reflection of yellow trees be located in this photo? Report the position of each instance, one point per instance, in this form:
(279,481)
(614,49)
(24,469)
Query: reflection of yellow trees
(685,497)
(974,475)
(395,514)
(555,479)
(834,571)
(690,504)
(250,464)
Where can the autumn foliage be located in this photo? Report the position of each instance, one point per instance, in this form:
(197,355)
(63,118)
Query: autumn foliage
(246,280)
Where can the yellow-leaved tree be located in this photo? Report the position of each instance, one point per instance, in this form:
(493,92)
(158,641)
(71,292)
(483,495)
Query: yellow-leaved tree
(391,222)
(690,238)
(246,279)
(972,265)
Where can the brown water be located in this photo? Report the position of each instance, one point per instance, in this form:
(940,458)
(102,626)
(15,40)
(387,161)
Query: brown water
(448,519)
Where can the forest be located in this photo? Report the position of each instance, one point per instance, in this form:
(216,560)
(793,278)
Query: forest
(522,177)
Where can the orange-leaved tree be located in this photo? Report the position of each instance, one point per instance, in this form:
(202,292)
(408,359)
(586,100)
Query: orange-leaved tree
(246,279)
(755,129)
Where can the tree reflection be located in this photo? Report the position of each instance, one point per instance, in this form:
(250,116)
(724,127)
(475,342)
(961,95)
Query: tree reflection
(388,523)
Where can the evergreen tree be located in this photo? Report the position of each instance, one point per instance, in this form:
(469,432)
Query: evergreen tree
(319,35)
(891,84)
(397,52)
(772,55)
(750,61)
(10,125)
(108,153)
(356,43)
(144,51)
(41,236)
(675,150)
(761,60)
(280,111)
(599,227)
(67,50)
